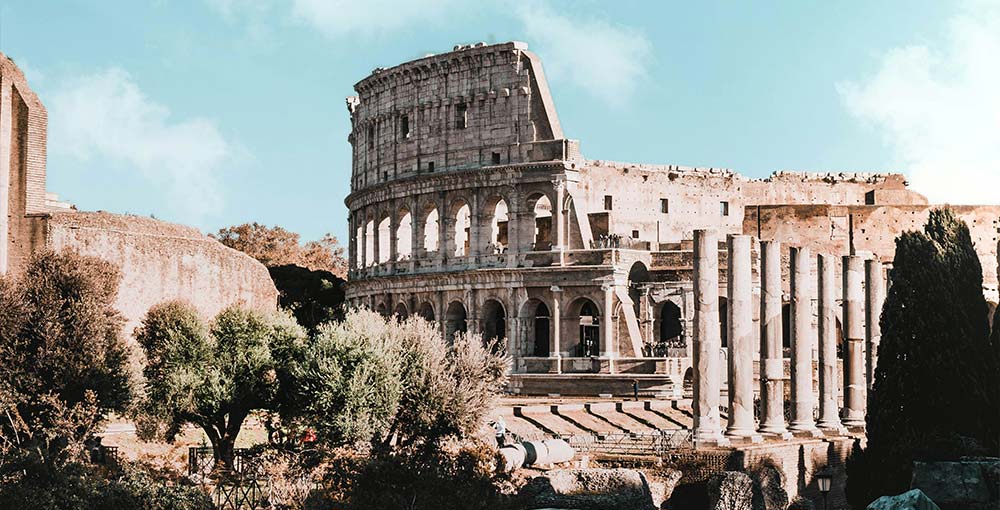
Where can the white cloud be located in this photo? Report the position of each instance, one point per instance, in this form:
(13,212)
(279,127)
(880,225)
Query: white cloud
(939,108)
(106,116)
(606,60)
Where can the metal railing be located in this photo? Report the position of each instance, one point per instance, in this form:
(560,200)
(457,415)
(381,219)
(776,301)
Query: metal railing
(640,443)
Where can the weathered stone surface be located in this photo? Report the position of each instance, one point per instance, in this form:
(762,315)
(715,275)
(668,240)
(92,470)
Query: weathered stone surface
(588,489)
(730,490)
(768,487)
(662,484)
(970,484)
(910,500)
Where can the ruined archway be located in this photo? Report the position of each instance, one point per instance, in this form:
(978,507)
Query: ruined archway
(400,312)
(370,243)
(496,223)
(456,320)
(541,209)
(460,235)
(384,232)
(586,322)
(404,235)
(671,331)
(494,323)
(538,327)
(431,230)
(426,311)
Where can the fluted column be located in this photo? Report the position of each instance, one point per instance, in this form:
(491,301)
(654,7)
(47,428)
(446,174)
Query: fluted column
(875,299)
(803,333)
(772,373)
(829,418)
(707,339)
(741,343)
(854,338)
(559,216)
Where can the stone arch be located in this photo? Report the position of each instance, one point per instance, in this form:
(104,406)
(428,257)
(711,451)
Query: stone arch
(584,319)
(495,224)
(493,322)
(638,276)
(430,228)
(541,216)
(426,311)
(689,380)
(538,330)
(382,309)
(400,312)
(384,243)
(404,234)
(455,320)
(671,327)
(460,232)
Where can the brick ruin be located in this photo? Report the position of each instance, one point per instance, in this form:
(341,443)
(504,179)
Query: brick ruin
(470,207)
(159,260)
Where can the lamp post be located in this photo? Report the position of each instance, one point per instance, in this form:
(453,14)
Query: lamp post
(824,479)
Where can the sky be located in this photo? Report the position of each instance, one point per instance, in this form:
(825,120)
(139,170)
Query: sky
(219,112)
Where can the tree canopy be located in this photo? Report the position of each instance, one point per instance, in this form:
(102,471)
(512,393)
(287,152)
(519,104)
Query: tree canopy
(313,296)
(211,375)
(63,360)
(937,377)
(275,246)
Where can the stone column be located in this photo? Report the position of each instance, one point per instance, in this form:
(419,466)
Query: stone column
(559,219)
(610,349)
(707,339)
(740,334)
(474,230)
(803,333)
(393,233)
(772,373)
(6,126)
(875,299)
(556,330)
(854,338)
(828,415)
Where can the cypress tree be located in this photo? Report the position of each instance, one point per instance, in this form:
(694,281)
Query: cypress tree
(936,381)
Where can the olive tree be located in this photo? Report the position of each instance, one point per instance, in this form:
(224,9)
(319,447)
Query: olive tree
(211,375)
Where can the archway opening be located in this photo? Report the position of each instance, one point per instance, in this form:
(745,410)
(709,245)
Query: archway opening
(590,330)
(461,233)
(542,220)
(456,321)
(542,328)
(382,310)
(499,221)
(359,247)
(401,312)
(671,327)
(370,243)
(384,231)
(494,326)
(431,231)
(404,236)
(426,312)
(638,277)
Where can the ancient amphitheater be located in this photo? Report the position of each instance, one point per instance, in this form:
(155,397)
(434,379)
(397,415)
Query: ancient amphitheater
(159,260)
(469,206)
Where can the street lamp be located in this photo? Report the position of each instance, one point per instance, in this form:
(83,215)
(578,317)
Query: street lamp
(824,478)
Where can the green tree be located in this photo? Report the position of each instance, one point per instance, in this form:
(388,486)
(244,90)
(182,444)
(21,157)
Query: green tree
(212,376)
(937,373)
(313,296)
(372,380)
(63,360)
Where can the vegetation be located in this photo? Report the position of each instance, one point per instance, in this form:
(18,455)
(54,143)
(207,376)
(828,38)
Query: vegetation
(313,296)
(937,375)
(275,246)
(212,376)
(63,361)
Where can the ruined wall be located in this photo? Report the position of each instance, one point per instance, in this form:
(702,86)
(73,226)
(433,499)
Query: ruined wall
(829,229)
(830,188)
(476,106)
(161,261)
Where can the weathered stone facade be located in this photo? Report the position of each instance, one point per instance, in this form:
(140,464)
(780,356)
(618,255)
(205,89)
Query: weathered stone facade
(468,206)
(159,260)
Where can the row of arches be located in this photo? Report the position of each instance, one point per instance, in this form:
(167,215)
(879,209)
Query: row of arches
(493,323)
(425,231)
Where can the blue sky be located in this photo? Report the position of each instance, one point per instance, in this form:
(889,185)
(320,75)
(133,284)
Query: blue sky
(217,112)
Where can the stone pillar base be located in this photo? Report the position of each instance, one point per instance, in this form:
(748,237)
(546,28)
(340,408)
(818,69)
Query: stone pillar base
(745,437)
(782,435)
(806,432)
(711,441)
(837,431)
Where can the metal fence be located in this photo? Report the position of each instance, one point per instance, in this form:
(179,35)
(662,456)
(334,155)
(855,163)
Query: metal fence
(640,443)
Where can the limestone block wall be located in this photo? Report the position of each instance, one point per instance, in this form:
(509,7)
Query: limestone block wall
(478,105)
(853,188)
(161,261)
(830,229)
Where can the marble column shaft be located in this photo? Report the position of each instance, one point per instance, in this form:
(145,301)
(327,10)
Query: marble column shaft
(707,338)
(556,331)
(772,389)
(829,417)
(803,333)
(854,339)
(874,300)
(740,335)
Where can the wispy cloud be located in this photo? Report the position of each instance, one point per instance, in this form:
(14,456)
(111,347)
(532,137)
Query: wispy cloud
(939,108)
(606,60)
(336,18)
(105,115)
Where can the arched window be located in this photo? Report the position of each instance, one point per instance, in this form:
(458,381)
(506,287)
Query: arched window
(426,312)
(404,237)
(542,240)
(590,329)
(461,234)
(498,227)
(494,326)
(431,231)
(401,312)
(384,231)
(542,327)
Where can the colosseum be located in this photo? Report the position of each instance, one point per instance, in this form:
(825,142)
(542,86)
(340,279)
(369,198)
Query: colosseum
(469,206)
